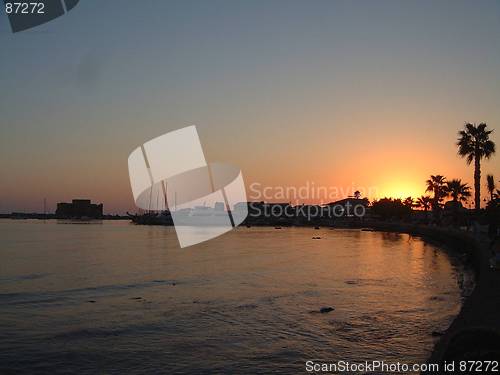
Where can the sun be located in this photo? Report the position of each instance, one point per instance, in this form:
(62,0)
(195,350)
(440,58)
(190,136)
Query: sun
(401,190)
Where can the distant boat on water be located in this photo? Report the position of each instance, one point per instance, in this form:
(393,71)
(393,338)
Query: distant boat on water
(197,216)
(150,218)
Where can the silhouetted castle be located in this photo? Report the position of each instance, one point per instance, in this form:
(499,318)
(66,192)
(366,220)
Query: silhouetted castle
(79,208)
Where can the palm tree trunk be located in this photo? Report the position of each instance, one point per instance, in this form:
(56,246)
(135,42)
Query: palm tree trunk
(477,182)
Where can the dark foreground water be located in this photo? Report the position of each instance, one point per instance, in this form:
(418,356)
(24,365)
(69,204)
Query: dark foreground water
(117,298)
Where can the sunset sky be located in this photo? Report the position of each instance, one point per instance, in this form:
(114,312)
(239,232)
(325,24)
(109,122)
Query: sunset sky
(339,93)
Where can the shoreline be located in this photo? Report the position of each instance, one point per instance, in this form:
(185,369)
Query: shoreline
(474,333)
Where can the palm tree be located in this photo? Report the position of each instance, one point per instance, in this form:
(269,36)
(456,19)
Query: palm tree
(457,190)
(436,185)
(490,184)
(474,144)
(408,202)
(424,202)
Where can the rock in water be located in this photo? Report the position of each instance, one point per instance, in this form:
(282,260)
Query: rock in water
(325,310)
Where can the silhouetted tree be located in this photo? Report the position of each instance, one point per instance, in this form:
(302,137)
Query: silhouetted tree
(408,202)
(490,185)
(388,208)
(436,185)
(474,144)
(424,202)
(357,194)
(457,190)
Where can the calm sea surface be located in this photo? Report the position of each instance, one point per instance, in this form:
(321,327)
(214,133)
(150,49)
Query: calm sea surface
(113,297)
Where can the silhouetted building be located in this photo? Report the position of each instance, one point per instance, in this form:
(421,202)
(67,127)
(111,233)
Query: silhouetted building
(348,205)
(79,208)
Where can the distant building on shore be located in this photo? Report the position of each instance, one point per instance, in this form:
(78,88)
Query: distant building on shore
(79,208)
(348,204)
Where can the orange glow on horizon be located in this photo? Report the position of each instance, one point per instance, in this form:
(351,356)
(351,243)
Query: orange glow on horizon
(401,191)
